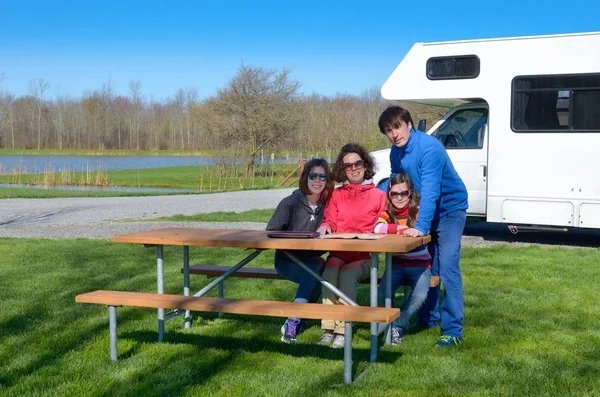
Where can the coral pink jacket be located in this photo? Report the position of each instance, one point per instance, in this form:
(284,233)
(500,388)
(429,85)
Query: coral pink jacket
(354,208)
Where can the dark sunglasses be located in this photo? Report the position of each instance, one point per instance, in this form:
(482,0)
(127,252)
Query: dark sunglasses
(403,194)
(313,175)
(360,164)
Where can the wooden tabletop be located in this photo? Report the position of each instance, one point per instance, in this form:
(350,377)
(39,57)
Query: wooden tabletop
(259,239)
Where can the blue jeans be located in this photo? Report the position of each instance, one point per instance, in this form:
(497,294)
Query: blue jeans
(418,279)
(444,248)
(309,288)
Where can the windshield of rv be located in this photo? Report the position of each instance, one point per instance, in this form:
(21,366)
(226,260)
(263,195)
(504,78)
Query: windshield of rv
(464,129)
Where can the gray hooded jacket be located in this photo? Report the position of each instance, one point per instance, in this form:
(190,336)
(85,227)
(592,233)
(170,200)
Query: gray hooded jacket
(294,213)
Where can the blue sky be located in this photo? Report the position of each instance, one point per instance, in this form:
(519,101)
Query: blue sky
(332,47)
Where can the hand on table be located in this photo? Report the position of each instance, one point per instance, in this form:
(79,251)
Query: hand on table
(412,232)
(325,229)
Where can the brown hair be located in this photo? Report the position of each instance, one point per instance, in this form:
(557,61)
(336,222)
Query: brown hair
(303,182)
(392,116)
(338,168)
(413,204)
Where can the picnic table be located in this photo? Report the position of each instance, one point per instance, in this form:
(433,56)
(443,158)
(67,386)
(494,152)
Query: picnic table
(259,241)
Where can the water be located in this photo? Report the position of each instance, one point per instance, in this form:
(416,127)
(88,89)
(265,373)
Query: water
(103,189)
(39,164)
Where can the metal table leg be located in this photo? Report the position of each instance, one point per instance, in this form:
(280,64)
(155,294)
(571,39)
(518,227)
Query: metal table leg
(374,263)
(223,276)
(186,283)
(160,281)
(348,353)
(324,282)
(112,326)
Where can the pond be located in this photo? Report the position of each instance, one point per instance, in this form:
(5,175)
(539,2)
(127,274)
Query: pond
(39,164)
(103,188)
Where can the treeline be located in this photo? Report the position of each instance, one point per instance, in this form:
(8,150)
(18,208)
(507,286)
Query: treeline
(258,109)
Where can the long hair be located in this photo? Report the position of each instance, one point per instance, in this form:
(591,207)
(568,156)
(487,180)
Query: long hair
(413,203)
(303,181)
(338,168)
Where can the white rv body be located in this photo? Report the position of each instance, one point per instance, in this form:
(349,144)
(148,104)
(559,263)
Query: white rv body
(518,168)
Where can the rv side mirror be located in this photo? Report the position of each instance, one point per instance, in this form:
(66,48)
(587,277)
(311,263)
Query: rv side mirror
(422,125)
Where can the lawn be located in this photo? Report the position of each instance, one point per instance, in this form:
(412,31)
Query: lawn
(531,329)
(230,216)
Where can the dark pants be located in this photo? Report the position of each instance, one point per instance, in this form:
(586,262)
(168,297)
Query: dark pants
(444,248)
(309,288)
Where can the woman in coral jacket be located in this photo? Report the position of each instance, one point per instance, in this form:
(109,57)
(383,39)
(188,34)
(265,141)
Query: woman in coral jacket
(352,208)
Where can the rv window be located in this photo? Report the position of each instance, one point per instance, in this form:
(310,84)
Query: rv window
(557,103)
(454,67)
(465,129)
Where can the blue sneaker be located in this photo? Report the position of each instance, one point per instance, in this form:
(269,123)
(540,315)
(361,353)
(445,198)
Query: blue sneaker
(447,341)
(290,329)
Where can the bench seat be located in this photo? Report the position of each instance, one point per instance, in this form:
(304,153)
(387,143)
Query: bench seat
(317,311)
(114,299)
(247,272)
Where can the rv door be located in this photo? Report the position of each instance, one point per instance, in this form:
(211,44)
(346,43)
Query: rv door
(464,135)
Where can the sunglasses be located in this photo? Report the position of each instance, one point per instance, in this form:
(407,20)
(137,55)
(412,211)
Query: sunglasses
(360,164)
(403,194)
(313,175)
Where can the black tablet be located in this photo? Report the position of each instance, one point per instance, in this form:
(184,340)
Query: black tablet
(292,234)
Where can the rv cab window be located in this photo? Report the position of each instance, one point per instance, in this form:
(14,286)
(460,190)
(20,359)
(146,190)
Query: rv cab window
(465,129)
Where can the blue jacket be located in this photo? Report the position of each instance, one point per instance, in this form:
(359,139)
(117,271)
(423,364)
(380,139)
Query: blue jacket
(433,175)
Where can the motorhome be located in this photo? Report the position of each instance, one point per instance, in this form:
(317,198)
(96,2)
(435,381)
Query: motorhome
(526,138)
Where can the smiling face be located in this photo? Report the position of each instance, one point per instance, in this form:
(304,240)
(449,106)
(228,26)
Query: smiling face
(316,186)
(399,195)
(354,168)
(399,136)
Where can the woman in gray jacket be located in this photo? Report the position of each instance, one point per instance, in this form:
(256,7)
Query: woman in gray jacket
(302,211)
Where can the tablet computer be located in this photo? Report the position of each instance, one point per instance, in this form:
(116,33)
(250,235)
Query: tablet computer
(292,234)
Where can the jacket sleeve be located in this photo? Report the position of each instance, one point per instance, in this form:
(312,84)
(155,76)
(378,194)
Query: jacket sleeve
(330,216)
(280,220)
(432,166)
(383,224)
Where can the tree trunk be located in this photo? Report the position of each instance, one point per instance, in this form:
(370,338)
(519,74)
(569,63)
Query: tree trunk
(250,167)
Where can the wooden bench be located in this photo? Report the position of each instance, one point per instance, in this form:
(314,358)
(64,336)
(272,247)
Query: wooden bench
(349,314)
(247,272)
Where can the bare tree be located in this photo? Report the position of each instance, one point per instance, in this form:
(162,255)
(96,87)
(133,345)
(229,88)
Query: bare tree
(135,92)
(37,88)
(59,122)
(191,100)
(260,107)
(6,100)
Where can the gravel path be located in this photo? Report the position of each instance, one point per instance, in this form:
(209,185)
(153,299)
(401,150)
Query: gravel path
(106,217)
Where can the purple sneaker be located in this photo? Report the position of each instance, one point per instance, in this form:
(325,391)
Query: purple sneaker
(396,334)
(291,328)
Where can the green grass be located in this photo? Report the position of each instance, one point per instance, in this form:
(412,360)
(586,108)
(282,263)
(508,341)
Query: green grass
(246,216)
(531,329)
